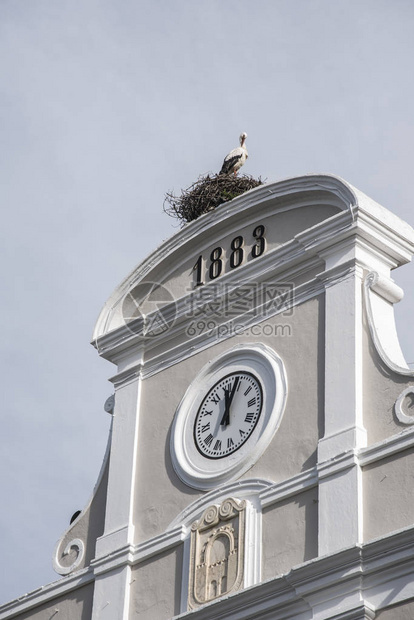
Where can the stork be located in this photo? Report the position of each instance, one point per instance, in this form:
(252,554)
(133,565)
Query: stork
(236,158)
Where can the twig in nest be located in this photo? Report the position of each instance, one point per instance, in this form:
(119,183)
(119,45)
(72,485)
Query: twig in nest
(207,193)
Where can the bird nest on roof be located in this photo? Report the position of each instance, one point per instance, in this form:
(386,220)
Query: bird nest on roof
(207,193)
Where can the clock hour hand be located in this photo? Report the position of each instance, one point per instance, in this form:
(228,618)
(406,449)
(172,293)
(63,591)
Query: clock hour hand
(228,398)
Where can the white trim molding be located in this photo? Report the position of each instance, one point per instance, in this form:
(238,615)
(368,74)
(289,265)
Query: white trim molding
(380,293)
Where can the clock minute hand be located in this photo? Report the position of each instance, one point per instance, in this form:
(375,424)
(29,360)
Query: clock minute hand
(225,419)
(228,400)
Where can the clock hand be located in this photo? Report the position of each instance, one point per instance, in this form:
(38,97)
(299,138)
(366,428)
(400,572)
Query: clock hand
(235,384)
(228,398)
(225,419)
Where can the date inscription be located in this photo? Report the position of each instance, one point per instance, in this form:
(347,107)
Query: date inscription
(212,267)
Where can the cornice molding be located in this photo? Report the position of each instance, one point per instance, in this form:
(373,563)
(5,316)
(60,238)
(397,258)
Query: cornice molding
(280,491)
(111,561)
(134,554)
(179,346)
(388,447)
(127,376)
(282,262)
(167,540)
(176,345)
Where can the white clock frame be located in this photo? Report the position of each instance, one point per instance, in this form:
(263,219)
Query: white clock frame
(201,472)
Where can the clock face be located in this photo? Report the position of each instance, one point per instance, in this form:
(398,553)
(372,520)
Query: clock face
(228,415)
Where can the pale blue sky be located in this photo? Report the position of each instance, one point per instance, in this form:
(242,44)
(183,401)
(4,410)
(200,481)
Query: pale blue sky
(107,105)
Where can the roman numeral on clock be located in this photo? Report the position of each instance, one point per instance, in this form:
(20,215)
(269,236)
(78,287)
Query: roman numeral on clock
(230,442)
(249,417)
(208,439)
(205,428)
(251,402)
(217,445)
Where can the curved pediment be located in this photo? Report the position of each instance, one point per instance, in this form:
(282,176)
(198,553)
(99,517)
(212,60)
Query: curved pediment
(228,240)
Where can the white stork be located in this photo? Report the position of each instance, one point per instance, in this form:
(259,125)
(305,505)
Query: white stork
(236,158)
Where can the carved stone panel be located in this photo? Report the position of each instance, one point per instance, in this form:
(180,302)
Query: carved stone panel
(217,552)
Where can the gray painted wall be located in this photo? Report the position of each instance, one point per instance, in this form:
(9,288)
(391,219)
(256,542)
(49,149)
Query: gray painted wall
(76,605)
(290,533)
(388,495)
(160,495)
(156,588)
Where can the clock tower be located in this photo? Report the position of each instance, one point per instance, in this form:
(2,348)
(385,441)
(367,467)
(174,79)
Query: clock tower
(262,446)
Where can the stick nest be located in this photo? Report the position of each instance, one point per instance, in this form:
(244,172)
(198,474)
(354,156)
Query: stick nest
(207,193)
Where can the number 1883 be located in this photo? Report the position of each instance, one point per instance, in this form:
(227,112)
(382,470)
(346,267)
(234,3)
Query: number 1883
(235,256)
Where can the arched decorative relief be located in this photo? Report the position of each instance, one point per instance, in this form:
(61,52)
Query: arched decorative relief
(248,489)
(404,404)
(217,552)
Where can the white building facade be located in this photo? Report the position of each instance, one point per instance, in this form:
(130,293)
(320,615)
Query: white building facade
(261,458)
